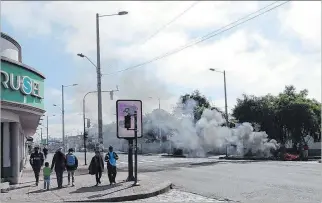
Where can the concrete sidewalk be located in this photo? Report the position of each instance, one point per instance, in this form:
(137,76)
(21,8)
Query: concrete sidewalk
(84,189)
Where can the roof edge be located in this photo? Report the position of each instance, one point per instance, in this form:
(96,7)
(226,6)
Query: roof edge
(8,37)
(3,58)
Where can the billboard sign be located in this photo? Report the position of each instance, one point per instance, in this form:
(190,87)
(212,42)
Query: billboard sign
(126,109)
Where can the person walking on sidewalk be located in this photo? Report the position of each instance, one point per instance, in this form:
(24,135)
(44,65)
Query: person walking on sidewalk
(45,151)
(36,161)
(97,167)
(59,162)
(46,173)
(71,165)
(111,158)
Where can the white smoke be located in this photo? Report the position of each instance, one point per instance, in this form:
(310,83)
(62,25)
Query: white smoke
(198,138)
(208,134)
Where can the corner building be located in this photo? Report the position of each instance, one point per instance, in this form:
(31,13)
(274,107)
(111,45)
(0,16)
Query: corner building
(22,106)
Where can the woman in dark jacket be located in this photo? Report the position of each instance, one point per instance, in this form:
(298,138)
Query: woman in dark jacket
(97,167)
(59,162)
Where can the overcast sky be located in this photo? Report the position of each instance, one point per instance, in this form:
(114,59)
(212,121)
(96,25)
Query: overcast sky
(279,48)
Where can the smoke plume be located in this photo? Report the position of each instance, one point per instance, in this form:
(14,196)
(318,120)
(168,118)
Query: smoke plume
(208,134)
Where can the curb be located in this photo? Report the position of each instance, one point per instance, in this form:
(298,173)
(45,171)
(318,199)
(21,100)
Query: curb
(131,197)
(247,158)
(173,156)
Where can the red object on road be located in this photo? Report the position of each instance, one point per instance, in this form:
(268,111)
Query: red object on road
(306,147)
(291,157)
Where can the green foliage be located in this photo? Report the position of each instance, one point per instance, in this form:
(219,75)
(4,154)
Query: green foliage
(290,115)
(201,103)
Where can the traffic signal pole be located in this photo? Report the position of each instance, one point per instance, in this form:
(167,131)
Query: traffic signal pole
(130,161)
(136,148)
(84,133)
(127,125)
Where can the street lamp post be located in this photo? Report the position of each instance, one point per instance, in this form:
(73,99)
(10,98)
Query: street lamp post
(40,136)
(84,118)
(99,74)
(48,130)
(159,111)
(47,133)
(63,112)
(63,116)
(225,89)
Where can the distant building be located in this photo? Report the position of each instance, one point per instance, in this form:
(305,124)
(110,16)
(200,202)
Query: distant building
(76,142)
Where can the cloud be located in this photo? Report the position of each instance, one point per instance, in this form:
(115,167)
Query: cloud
(257,60)
(73,125)
(303,19)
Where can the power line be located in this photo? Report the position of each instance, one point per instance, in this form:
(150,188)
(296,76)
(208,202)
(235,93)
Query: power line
(206,37)
(240,19)
(174,19)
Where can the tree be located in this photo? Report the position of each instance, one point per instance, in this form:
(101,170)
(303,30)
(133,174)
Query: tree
(201,103)
(288,116)
(259,110)
(299,115)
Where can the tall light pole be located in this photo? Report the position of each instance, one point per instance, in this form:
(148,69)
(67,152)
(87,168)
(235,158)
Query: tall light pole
(41,136)
(226,107)
(63,112)
(48,130)
(99,74)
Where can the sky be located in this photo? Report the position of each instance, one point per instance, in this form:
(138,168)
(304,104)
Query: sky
(281,47)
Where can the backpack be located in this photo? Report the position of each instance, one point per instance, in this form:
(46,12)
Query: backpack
(71,160)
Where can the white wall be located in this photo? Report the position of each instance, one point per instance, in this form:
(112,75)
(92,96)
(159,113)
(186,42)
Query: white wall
(8,116)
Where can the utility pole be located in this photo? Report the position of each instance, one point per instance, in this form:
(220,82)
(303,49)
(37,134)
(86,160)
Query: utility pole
(99,74)
(225,89)
(47,131)
(84,132)
(226,107)
(99,90)
(63,116)
(159,122)
(40,136)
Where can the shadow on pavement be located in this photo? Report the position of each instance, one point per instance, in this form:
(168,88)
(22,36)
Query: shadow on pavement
(21,187)
(53,177)
(102,195)
(95,188)
(42,190)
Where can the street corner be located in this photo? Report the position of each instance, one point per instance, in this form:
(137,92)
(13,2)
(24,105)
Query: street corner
(86,191)
(119,192)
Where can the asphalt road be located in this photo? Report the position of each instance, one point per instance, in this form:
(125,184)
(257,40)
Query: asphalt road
(264,182)
(235,181)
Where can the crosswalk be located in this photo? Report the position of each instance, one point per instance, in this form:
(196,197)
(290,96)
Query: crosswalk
(153,161)
(159,161)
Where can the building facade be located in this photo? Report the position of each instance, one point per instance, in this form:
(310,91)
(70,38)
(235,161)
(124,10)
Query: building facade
(22,105)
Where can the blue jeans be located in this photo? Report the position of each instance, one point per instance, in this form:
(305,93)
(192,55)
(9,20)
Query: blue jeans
(46,182)
(71,173)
